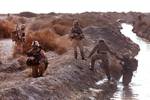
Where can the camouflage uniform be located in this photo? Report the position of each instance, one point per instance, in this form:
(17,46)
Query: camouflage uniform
(77,37)
(102,54)
(19,34)
(38,62)
(19,37)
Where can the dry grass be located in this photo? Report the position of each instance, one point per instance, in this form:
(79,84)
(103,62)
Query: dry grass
(50,33)
(49,41)
(61,29)
(38,25)
(6,28)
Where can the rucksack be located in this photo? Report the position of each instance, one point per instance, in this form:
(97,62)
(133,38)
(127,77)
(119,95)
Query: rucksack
(134,64)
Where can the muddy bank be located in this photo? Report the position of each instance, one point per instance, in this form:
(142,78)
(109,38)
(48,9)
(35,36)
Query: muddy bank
(141,26)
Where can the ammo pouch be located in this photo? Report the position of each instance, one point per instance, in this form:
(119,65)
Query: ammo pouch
(77,36)
(134,64)
(131,65)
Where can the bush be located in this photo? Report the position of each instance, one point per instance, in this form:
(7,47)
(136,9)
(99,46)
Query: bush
(49,40)
(6,28)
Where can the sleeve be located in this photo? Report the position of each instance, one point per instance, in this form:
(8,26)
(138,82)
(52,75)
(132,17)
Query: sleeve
(93,51)
(43,53)
(29,53)
(71,35)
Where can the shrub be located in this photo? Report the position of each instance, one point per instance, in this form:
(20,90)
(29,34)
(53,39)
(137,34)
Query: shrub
(6,28)
(49,40)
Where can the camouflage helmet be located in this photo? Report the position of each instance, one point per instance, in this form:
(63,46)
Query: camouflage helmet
(35,44)
(75,22)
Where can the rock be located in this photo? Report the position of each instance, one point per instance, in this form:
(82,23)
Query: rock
(141,26)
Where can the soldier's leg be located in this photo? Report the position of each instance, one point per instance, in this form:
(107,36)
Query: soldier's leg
(46,64)
(107,72)
(21,48)
(75,51)
(105,64)
(34,71)
(127,77)
(81,50)
(41,69)
(93,59)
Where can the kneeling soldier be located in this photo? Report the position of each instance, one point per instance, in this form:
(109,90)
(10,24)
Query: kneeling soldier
(37,59)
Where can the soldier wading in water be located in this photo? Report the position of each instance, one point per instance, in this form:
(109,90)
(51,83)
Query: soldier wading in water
(129,65)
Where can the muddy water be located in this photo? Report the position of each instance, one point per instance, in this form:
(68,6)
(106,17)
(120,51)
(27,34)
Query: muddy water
(139,88)
(6,50)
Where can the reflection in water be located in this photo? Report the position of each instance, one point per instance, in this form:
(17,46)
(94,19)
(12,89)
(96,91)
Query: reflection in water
(6,50)
(139,88)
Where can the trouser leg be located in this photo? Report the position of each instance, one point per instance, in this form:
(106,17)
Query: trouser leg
(35,71)
(81,51)
(46,64)
(75,52)
(107,72)
(127,77)
(93,59)
(21,48)
(41,69)
(105,65)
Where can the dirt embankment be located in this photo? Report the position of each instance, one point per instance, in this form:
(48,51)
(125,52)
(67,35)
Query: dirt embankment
(142,26)
(65,78)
